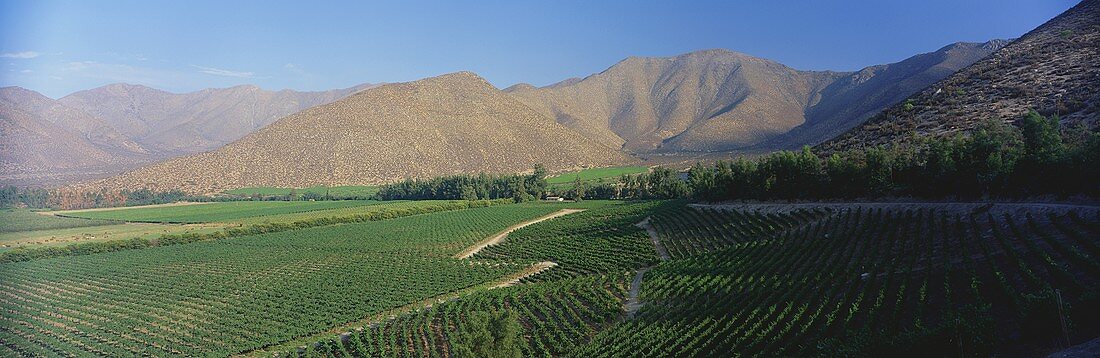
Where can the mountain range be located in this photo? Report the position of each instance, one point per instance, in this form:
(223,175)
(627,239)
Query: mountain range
(118,127)
(435,126)
(713,100)
(719,100)
(691,105)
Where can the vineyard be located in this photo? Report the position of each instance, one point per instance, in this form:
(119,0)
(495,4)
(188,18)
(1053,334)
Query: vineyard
(752,279)
(230,296)
(556,316)
(596,241)
(868,281)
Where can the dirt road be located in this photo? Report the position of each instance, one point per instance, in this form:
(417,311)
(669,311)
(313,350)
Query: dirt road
(501,235)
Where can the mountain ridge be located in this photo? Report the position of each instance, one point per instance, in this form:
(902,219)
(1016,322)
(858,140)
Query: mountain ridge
(718,100)
(435,126)
(1051,69)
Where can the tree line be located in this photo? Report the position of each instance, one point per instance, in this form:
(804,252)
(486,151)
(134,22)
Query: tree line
(1036,157)
(469,187)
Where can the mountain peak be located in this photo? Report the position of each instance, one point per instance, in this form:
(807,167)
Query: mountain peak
(520,87)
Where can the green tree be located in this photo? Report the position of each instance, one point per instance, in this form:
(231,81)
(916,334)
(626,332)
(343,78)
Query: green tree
(578,191)
(1042,139)
(490,335)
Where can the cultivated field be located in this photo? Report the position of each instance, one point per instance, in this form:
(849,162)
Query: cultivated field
(16,220)
(231,296)
(648,278)
(591,175)
(212,212)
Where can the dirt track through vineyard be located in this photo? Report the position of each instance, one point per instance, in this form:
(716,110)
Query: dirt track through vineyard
(632,304)
(501,235)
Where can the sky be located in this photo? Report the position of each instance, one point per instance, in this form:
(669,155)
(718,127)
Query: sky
(59,47)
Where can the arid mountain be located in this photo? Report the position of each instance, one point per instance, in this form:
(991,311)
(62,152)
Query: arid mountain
(91,128)
(718,100)
(455,123)
(1054,69)
(705,100)
(34,150)
(854,98)
(173,124)
(45,142)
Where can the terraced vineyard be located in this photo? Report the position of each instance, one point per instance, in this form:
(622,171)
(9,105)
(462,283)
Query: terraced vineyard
(213,212)
(869,281)
(229,296)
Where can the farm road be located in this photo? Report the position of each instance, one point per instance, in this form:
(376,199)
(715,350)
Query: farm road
(501,235)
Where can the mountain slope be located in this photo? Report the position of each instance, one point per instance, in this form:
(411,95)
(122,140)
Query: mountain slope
(854,98)
(34,150)
(1052,69)
(718,100)
(705,100)
(43,142)
(455,123)
(194,122)
(93,129)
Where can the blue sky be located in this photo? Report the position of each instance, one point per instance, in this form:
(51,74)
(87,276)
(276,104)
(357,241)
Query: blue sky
(58,47)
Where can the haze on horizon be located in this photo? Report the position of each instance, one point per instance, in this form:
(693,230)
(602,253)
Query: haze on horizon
(58,47)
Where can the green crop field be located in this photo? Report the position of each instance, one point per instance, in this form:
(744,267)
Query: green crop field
(863,281)
(336,191)
(338,212)
(809,281)
(17,220)
(637,278)
(214,212)
(593,174)
(231,296)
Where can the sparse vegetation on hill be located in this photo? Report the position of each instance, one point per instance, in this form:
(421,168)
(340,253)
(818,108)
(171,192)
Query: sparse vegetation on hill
(1052,70)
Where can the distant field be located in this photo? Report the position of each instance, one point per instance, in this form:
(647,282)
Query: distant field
(123,231)
(214,212)
(24,220)
(337,212)
(218,298)
(337,191)
(594,174)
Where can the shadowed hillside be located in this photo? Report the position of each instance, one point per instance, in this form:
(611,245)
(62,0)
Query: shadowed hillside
(1052,69)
